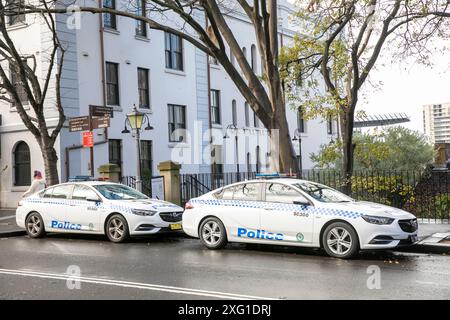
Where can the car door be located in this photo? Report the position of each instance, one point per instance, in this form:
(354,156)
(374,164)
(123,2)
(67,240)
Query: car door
(285,216)
(240,208)
(83,211)
(56,207)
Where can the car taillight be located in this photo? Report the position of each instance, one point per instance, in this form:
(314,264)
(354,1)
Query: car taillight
(188,205)
(19,203)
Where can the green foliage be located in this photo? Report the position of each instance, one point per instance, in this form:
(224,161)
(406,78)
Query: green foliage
(392,190)
(394,148)
(442,204)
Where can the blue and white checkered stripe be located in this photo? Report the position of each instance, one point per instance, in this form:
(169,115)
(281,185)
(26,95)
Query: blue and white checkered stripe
(80,203)
(278,206)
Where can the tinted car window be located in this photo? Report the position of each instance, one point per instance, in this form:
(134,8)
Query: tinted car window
(83,192)
(247,191)
(62,192)
(276,192)
(47,193)
(225,193)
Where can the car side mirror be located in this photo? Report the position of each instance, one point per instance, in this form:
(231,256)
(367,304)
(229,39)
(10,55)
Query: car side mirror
(93,199)
(302,202)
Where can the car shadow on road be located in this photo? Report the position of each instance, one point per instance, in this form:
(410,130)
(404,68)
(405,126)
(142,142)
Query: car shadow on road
(175,238)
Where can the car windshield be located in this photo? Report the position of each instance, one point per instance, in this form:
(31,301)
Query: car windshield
(322,193)
(119,192)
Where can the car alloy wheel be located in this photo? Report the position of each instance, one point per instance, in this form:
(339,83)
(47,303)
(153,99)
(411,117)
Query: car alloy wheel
(213,234)
(117,229)
(35,226)
(339,241)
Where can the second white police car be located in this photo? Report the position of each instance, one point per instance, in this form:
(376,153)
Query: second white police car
(295,212)
(96,207)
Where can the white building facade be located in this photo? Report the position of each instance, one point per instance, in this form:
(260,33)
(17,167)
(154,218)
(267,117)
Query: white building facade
(116,62)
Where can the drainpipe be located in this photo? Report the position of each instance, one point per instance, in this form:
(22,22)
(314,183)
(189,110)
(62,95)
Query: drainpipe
(102,64)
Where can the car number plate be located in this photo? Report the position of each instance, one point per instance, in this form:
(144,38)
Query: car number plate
(175,226)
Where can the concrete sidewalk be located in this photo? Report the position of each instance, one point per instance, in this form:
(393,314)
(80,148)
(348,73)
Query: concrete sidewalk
(433,237)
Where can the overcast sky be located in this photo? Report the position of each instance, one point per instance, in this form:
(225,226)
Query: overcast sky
(407,86)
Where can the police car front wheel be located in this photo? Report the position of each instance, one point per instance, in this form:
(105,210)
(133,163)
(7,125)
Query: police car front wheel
(35,225)
(213,234)
(340,240)
(117,228)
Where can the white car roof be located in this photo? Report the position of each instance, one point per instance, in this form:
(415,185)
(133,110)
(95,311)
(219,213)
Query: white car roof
(280,180)
(88,183)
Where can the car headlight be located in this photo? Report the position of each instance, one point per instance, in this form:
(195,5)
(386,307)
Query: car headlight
(143,212)
(377,220)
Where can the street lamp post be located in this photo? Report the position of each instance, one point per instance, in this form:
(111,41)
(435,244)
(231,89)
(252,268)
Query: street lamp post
(135,120)
(226,136)
(297,137)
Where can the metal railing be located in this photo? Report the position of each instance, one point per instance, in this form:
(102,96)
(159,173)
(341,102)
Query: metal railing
(146,183)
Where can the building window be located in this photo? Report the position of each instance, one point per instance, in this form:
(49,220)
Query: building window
(329,125)
(112,83)
(17,5)
(177,120)
(244,51)
(143,88)
(115,152)
(18,84)
(141,26)
(300,120)
(174,51)
(253,57)
(234,112)
(109,19)
(255,120)
(146,158)
(215,106)
(22,165)
(247,115)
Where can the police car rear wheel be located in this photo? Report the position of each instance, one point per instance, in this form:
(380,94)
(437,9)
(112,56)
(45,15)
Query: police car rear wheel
(340,240)
(117,229)
(213,234)
(35,225)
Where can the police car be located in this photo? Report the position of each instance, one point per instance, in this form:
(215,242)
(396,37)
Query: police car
(96,207)
(295,212)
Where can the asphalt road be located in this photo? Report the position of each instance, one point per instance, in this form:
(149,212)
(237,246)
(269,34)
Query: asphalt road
(176,267)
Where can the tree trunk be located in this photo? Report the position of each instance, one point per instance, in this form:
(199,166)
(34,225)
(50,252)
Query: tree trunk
(50,165)
(281,142)
(348,148)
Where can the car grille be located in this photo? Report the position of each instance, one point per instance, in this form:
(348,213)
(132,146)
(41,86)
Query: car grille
(409,225)
(171,216)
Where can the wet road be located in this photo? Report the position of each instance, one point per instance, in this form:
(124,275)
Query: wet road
(176,267)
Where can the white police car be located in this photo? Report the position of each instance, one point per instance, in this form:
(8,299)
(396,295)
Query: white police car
(296,212)
(96,207)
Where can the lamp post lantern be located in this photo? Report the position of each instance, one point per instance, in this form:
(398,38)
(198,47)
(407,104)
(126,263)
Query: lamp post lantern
(135,120)
(297,137)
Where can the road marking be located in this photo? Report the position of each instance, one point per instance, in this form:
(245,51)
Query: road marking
(136,285)
(7,217)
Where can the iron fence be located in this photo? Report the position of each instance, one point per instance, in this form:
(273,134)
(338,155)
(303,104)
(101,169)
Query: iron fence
(146,184)
(423,193)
